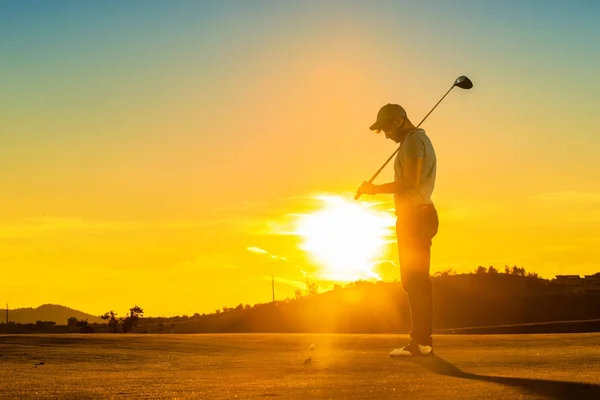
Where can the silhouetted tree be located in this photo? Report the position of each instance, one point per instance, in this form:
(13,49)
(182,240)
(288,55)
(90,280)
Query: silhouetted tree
(447,272)
(72,323)
(131,320)
(84,327)
(113,322)
(518,271)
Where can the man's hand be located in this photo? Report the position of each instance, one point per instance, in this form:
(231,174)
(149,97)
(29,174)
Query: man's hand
(367,188)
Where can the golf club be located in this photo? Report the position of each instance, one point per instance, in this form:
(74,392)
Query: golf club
(462,82)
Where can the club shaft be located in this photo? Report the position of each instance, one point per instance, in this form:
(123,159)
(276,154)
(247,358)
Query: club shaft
(358,194)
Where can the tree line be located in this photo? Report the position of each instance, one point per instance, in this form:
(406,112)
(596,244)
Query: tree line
(485,296)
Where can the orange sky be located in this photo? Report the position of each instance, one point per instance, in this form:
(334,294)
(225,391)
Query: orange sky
(140,170)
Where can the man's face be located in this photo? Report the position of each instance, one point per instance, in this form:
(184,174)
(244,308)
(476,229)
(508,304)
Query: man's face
(394,128)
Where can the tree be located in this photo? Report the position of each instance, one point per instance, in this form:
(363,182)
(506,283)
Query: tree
(84,327)
(518,271)
(481,270)
(113,322)
(492,270)
(447,272)
(131,320)
(312,289)
(72,323)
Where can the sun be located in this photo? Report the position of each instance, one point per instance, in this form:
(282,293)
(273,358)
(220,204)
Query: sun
(345,239)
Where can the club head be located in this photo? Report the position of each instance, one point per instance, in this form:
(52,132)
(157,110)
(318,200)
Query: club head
(463,82)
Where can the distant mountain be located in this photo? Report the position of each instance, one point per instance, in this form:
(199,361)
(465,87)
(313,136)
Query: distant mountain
(46,312)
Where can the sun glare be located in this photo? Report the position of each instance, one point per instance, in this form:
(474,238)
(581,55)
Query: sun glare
(345,239)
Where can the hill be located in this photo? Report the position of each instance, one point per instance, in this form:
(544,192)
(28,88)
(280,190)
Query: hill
(47,312)
(461,301)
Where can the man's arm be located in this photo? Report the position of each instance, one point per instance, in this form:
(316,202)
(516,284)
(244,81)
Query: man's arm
(411,176)
(389,188)
(413,152)
(410,180)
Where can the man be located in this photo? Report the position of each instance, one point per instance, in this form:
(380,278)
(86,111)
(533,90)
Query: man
(416,219)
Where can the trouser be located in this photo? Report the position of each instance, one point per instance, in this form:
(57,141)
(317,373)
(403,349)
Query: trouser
(415,228)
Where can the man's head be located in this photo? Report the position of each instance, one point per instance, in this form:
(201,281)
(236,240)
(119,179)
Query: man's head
(393,121)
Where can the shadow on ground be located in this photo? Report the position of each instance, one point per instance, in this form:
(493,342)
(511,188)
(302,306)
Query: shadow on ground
(557,390)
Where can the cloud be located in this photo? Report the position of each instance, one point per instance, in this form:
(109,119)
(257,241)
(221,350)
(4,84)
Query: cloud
(258,250)
(253,249)
(274,217)
(385,262)
(290,282)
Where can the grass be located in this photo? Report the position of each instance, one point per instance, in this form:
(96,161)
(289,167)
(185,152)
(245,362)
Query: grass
(259,366)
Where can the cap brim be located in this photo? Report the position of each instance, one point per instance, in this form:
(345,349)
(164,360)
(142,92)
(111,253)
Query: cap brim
(375,127)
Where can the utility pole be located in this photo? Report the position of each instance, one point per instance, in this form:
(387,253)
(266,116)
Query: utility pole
(273,286)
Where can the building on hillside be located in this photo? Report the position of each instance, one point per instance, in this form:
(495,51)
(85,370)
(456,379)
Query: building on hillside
(571,283)
(575,284)
(592,283)
(568,279)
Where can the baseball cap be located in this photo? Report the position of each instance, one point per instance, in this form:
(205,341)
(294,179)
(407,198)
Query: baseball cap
(386,113)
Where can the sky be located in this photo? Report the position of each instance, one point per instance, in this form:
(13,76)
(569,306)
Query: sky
(164,153)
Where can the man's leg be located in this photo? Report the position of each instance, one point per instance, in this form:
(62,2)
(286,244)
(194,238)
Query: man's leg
(417,285)
(415,233)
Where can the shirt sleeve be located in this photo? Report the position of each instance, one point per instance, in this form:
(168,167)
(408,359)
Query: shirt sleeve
(413,147)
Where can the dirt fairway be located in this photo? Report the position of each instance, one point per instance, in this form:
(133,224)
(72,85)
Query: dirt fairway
(259,366)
